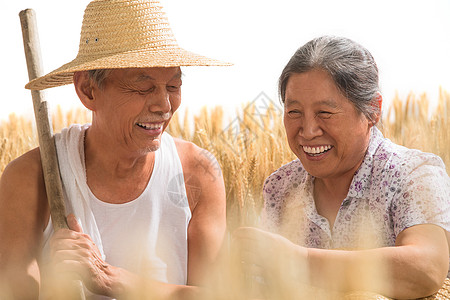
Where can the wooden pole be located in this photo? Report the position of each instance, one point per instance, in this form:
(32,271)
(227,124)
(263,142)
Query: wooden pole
(47,147)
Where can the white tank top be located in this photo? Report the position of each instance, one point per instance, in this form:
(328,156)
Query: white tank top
(148,235)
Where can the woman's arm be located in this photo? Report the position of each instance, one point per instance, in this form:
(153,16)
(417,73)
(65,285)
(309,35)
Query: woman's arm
(415,267)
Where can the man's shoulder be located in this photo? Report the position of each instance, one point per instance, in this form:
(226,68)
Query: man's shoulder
(202,173)
(194,158)
(183,145)
(187,151)
(22,189)
(27,165)
(23,175)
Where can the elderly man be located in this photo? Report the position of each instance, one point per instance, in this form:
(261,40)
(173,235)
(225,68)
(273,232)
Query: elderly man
(144,209)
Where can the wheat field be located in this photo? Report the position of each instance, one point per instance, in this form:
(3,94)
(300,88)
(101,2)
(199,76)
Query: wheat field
(249,147)
(253,144)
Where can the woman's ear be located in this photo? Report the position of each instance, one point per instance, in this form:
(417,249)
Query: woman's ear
(377,103)
(84,88)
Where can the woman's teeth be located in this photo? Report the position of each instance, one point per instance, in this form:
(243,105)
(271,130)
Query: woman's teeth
(314,151)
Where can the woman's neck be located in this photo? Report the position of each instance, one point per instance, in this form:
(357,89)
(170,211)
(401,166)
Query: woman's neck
(329,193)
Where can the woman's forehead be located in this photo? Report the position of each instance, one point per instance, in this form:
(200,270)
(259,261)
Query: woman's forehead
(315,85)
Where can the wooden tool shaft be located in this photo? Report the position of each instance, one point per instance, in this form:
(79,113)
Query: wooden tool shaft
(49,158)
(47,146)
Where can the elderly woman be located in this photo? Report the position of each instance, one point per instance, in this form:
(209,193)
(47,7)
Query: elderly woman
(357,211)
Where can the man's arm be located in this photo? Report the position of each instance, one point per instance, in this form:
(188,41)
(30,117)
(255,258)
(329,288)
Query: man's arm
(23,215)
(206,194)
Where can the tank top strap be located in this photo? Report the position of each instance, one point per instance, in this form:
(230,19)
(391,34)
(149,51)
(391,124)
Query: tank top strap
(168,172)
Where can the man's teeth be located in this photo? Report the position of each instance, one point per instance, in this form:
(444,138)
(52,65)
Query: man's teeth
(150,126)
(316,150)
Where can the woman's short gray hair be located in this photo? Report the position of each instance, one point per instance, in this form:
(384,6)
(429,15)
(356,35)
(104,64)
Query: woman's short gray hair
(98,76)
(351,66)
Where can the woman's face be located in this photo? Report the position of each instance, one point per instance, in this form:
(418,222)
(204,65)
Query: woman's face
(324,129)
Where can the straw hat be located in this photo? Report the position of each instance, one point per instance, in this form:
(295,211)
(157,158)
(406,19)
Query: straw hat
(123,34)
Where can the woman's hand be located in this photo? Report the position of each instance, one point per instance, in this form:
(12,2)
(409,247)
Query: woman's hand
(74,252)
(274,257)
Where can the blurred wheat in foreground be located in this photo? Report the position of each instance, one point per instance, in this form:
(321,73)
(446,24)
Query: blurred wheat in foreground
(250,147)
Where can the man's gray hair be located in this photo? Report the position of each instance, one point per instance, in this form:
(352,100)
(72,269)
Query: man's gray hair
(98,76)
(351,66)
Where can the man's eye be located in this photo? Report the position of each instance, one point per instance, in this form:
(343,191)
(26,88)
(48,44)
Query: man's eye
(294,113)
(144,91)
(325,114)
(173,88)
(140,92)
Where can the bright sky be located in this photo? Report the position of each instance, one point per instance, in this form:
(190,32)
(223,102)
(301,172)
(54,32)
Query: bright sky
(410,40)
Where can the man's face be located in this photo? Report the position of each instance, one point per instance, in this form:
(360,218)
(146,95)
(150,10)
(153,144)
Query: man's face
(134,106)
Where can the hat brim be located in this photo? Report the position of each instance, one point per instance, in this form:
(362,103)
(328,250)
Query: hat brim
(173,57)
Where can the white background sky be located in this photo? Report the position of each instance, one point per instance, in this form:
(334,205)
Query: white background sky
(409,39)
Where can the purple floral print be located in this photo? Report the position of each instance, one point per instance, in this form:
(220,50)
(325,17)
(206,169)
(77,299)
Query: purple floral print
(393,189)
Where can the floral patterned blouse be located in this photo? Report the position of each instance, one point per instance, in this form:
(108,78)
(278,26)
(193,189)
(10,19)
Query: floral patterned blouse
(394,188)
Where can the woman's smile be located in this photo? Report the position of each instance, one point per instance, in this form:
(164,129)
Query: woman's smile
(317,153)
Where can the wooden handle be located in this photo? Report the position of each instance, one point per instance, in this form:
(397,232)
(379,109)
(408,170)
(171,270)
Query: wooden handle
(49,159)
(47,146)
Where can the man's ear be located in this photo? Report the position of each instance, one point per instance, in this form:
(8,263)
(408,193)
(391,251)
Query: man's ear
(84,88)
